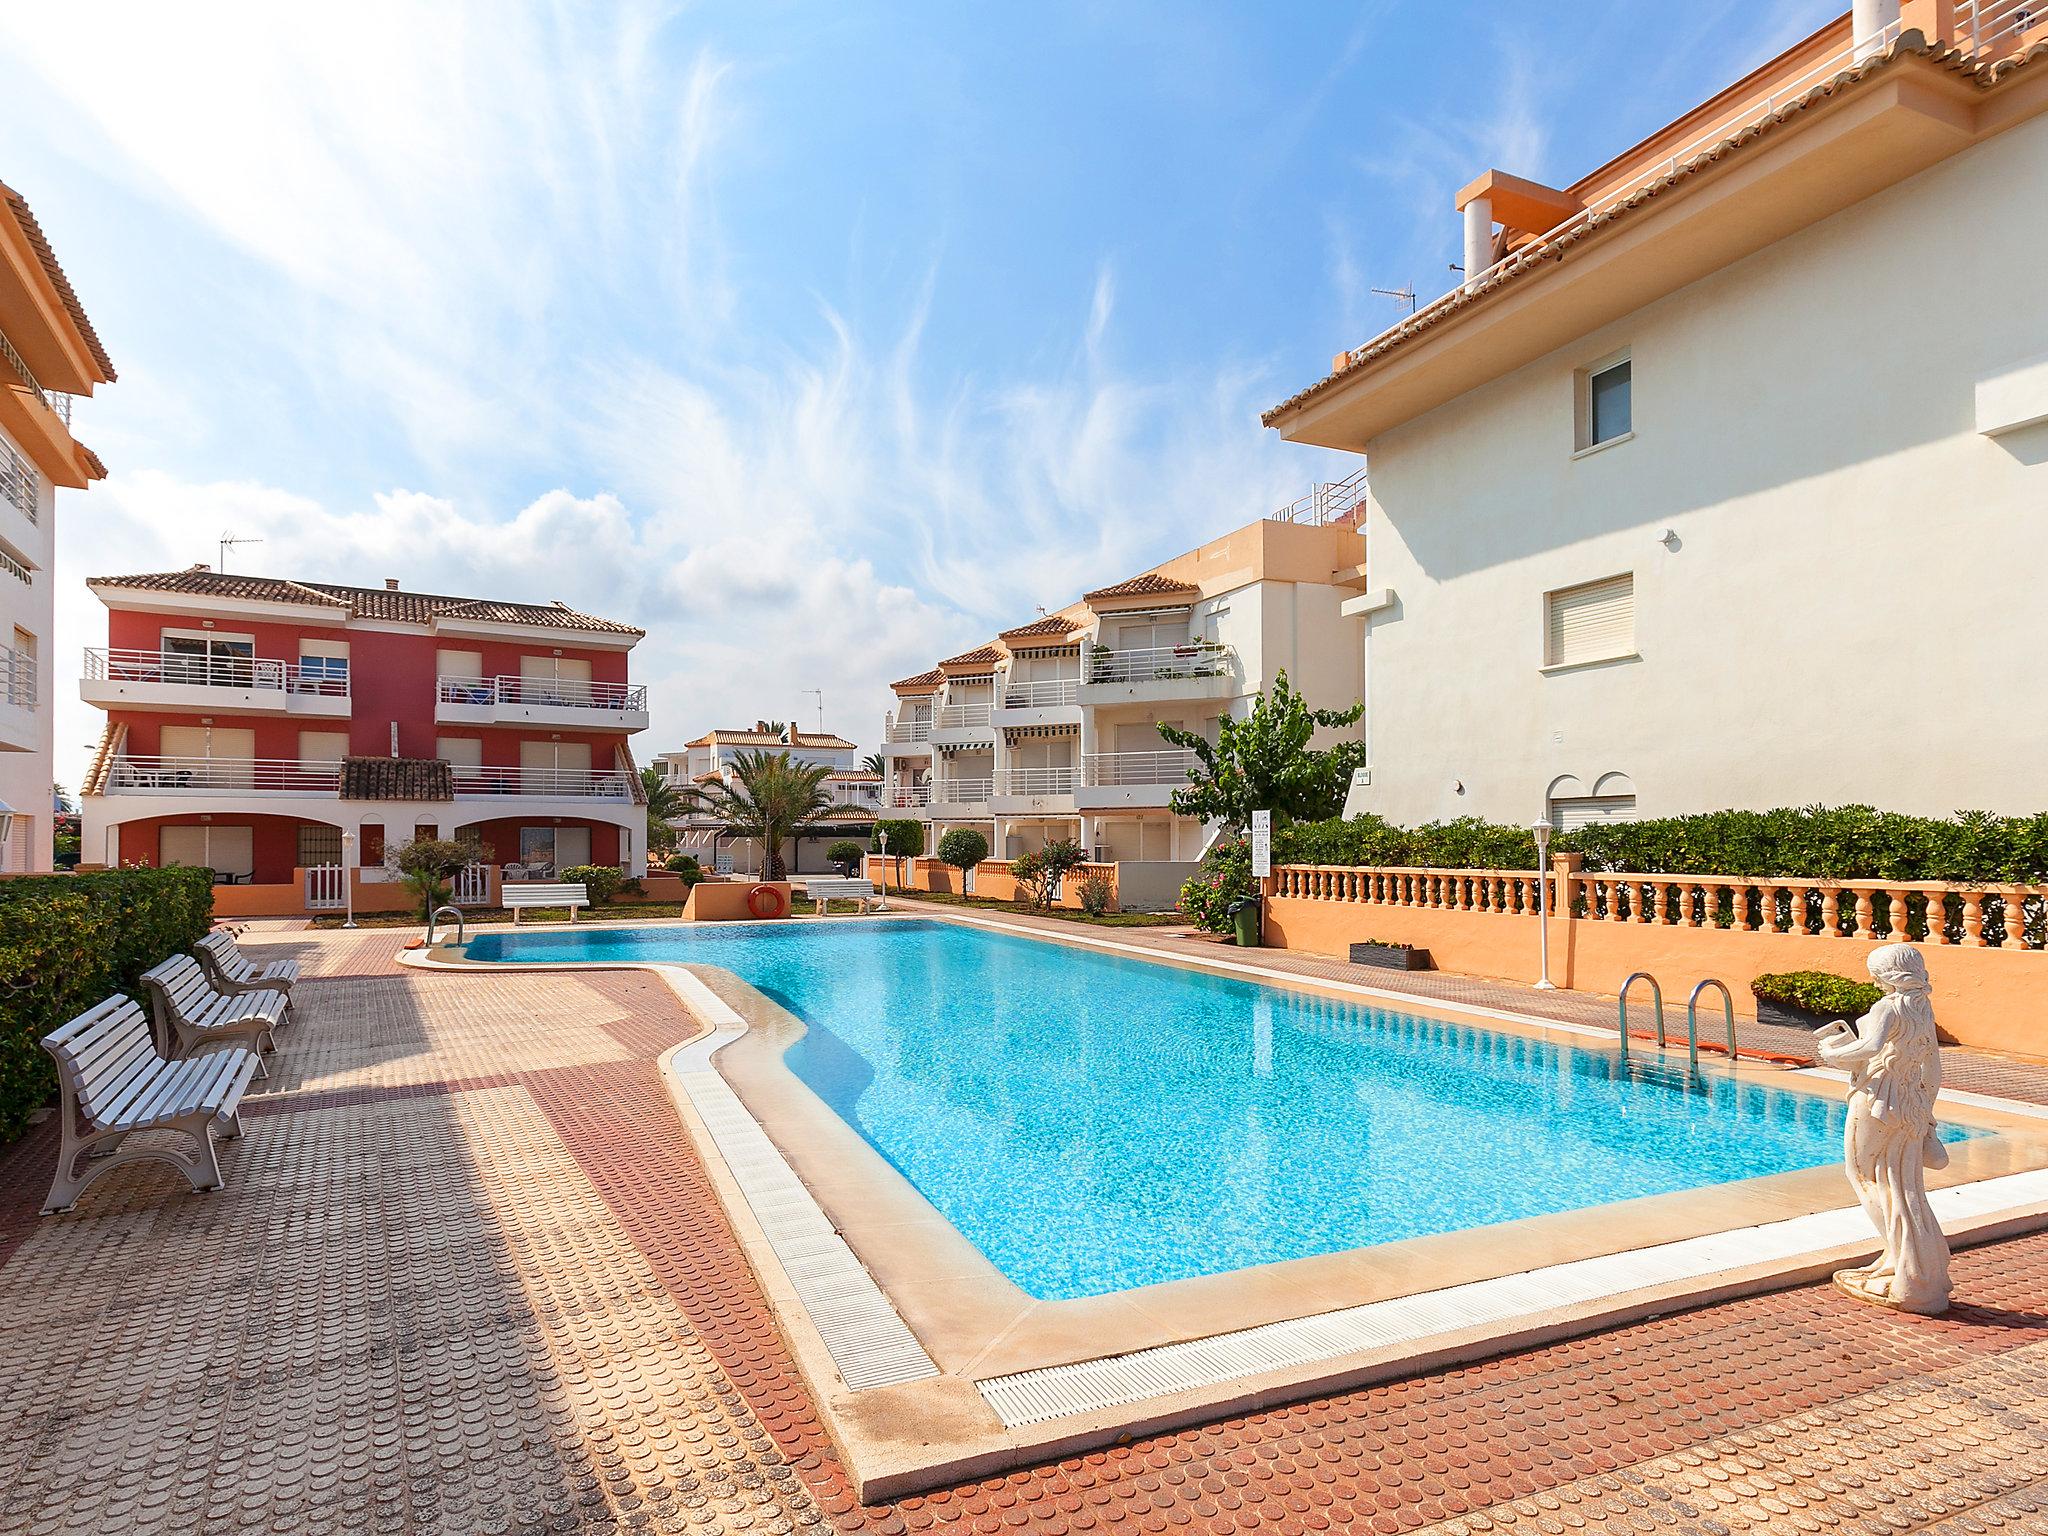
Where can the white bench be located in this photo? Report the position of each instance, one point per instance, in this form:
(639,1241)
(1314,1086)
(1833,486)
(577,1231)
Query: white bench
(191,1015)
(517,898)
(113,1082)
(823,889)
(232,971)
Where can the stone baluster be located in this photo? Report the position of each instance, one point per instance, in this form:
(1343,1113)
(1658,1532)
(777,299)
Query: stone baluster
(1831,911)
(2015,918)
(1973,919)
(1937,917)
(1866,924)
(1901,916)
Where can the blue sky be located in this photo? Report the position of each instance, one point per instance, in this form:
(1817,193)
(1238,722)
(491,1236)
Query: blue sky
(820,341)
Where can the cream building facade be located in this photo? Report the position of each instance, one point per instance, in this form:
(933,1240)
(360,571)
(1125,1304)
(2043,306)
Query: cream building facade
(1724,480)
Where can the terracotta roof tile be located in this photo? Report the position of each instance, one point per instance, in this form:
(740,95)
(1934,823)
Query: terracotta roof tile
(1053,626)
(397,606)
(396,778)
(112,735)
(981,655)
(1543,253)
(1151,584)
(40,244)
(924,682)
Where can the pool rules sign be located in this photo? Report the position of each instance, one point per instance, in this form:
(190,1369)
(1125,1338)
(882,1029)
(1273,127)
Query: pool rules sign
(1262,844)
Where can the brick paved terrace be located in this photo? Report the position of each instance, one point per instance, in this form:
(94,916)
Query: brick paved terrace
(469,1276)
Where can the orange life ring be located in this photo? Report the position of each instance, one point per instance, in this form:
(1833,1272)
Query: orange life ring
(767,901)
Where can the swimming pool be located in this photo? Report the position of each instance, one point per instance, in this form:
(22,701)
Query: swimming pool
(1092,1122)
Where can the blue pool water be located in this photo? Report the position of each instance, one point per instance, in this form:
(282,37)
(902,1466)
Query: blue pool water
(1092,1122)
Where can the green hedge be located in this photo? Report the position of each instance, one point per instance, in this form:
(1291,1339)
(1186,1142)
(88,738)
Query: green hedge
(1850,842)
(1818,992)
(68,941)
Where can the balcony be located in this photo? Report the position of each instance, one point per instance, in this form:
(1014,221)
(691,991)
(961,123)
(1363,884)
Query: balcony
(38,418)
(1039,701)
(959,724)
(908,738)
(17,701)
(962,797)
(1132,780)
(1034,791)
(490,783)
(218,685)
(540,701)
(1200,669)
(236,777)
(906,797)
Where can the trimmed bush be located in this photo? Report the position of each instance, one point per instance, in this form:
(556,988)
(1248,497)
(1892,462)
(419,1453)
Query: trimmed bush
(1818,992)
(847,854)
(69,941)
(963,848)
(906,838)
(601,880)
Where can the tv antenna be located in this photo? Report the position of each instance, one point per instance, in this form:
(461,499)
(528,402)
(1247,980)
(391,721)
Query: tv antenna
(228,541)
(1401,295)
(819,695)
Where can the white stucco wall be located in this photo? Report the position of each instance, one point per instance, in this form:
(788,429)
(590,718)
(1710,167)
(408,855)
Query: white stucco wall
(1852,607)
(25,776)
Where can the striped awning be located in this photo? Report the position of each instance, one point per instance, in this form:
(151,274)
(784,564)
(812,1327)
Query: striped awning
(1019,732)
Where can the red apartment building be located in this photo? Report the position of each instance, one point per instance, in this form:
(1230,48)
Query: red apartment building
(278,731)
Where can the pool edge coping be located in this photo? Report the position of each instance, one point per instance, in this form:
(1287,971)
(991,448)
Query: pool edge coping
(920,1432)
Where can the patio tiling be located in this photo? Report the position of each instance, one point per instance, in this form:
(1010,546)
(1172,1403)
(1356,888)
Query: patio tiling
(468,1276)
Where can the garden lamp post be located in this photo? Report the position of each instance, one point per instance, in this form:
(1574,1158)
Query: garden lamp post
(1543,829)
(882,837)
(348,876)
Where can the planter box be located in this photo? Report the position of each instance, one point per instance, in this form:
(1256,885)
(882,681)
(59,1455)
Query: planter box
(1391,957)
(1791,1015)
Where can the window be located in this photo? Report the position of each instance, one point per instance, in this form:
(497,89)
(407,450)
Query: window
(221,661)
(230,852)
(1571,812)
(318,845)
(322,746)
(553,848)
(1593,622)
(323,672)
(1605,408)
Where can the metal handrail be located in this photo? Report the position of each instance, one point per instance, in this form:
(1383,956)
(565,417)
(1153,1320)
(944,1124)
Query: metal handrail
(1656,997)
(1042,693)
(1164,766)
(1692,1023)
(916,729)
(115,664)
(955,716)
(434,917)
(1328,501)
(1035,781)
(20,485)
(566,693)
(207,775)
(1191,658)
(963,791)
(471,781)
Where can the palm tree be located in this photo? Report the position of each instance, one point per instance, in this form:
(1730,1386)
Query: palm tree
(769,797)
(665,803)
(873,763)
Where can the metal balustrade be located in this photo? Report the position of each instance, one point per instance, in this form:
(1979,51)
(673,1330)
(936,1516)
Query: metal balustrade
(911,730)
(1043,693)
(474,782)
(906,797)
(562,693)
(1328,501)
(17,678)
(112,664)
(148,775)
(957,716)
(1035,781)
(1169,766)
(20,485)
(1198,658)
(963,791)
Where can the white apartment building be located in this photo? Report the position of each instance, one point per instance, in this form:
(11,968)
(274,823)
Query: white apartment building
(48,354)
(1051,731)
(1723,479)
(711,757)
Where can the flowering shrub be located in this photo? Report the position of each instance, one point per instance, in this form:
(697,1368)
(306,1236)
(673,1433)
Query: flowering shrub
(1096,892)
(1226,877)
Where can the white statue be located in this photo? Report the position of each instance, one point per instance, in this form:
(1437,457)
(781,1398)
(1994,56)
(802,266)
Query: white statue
(1894,1063)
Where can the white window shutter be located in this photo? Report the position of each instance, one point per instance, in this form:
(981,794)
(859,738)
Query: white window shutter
(1590,623)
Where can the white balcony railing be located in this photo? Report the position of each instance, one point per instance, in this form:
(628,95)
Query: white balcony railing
(1198,658)
(955,717)
(20,486)
(906,797)
(1167,766)
(17,678)
(561,693)
(963,791)
(911,730)
(109,664)
(553,783)
(1043,693)
(1328,501)
(1035,781)
(223,775)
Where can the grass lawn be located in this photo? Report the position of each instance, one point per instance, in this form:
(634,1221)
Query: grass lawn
(1025,909)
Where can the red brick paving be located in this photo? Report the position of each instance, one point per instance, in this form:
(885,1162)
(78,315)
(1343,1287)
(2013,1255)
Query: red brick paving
(1794,1411)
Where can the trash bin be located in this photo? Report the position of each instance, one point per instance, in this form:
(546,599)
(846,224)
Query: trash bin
(1244,915)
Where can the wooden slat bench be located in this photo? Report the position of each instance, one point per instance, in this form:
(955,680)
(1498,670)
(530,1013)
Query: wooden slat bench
(191,1015)
(113,1082)
(823,889)
(517,898)
(232,971)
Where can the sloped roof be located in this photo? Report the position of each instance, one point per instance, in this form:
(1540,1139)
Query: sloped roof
(1150,584)
(397,778)
(395,605)
(1052,627)
(981,655)
(40,244)
(924,682)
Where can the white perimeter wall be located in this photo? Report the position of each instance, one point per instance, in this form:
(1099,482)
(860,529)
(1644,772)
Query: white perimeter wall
(1854,606)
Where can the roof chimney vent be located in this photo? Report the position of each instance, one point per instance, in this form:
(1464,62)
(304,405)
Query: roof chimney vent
(390,583)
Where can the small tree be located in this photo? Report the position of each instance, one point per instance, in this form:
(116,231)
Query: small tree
(666,804)
(426,865)
(906,838)
(1040,873)
(847,854)
(963,848)
(1264,762)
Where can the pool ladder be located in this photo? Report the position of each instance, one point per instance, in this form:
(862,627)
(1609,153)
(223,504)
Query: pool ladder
(434,921)
(1692,1016)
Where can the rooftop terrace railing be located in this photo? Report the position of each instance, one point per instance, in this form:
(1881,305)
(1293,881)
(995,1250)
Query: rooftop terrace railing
(114,664)
(1329,501)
